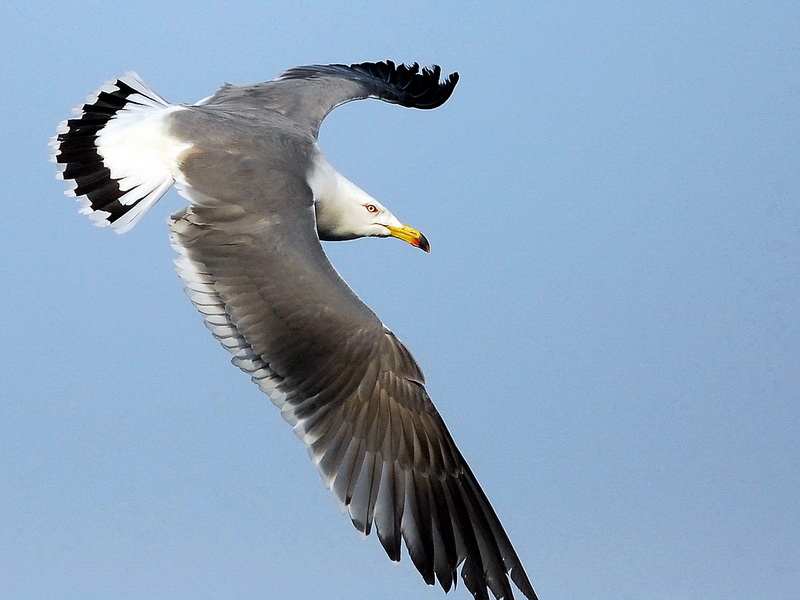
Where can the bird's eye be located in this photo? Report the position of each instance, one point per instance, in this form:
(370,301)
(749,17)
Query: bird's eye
(371,208)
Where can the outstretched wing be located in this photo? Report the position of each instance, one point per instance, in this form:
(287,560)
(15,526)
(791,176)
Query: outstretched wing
(351,390)
(307,94)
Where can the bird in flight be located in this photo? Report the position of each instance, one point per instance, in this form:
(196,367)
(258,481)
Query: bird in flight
(261,197)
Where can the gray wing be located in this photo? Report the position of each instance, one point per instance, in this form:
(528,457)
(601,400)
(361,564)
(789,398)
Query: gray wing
(307,94)
(351,390)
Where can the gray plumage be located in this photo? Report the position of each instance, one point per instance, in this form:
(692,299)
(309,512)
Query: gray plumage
(262,196)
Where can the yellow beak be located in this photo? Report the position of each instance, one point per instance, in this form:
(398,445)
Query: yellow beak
(410,235)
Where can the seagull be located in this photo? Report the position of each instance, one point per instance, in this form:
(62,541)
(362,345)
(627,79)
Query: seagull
(261,198)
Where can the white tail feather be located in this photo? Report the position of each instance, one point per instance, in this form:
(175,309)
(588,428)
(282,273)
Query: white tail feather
(117,156)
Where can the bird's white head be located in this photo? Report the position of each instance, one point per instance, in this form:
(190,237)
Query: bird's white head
(345,211)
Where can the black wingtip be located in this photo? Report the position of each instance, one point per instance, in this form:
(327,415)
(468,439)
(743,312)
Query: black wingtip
(412,87)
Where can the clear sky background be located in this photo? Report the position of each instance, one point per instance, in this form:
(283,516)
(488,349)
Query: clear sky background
(609,320)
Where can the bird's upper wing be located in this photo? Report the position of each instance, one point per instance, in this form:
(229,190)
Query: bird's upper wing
(352,391)
(307,94)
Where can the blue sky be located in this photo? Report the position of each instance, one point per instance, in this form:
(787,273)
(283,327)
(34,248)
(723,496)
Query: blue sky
(609,321)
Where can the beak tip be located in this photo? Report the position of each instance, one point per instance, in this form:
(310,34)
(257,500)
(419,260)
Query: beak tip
(423,243)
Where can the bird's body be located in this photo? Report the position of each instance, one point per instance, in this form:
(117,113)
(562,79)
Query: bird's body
(262,197)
